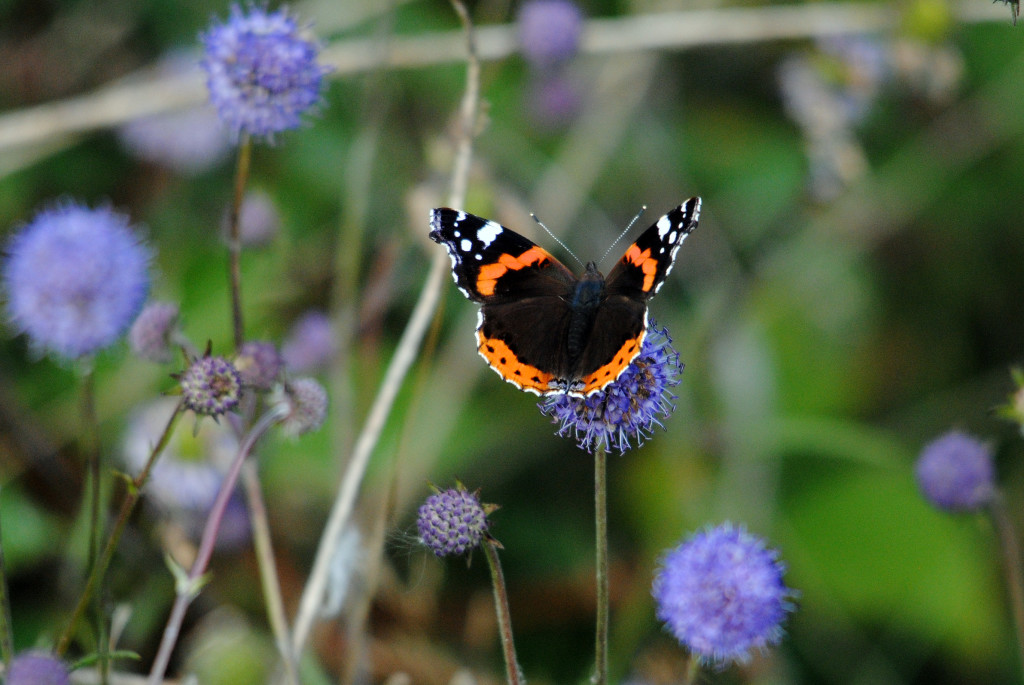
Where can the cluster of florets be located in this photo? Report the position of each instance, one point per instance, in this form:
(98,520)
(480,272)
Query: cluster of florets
(262,71)
(75,279)
(721,594)
(452,521)
(629,408)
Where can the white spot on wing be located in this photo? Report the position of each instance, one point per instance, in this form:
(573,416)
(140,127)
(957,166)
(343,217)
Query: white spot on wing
(466,245)
(488,232)
(664,226)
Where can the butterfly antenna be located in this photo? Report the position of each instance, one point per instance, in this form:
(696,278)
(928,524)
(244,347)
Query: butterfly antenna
(643,208)
(557,240)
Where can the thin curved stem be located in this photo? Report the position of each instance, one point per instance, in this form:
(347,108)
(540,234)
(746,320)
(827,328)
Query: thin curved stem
(127,506)
(405,355)
(189,586)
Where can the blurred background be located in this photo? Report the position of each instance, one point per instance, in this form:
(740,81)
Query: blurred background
(853,291)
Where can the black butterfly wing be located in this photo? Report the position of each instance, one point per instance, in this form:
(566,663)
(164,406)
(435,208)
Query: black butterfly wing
(524,293)
(644,266)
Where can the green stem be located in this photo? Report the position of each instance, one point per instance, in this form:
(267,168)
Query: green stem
(234,242)
(94,458)
(6,626)
(600,676)
(1011,567)
(130,500)
(508,647)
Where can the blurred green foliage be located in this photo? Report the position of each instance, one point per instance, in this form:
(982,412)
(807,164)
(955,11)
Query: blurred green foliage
(825,340)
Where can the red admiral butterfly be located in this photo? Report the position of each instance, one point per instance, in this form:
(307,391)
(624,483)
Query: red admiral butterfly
(540,327)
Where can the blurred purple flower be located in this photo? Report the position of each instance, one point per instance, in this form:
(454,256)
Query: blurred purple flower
(150,336)
(304,402)
(36,668)
(258,219)
(721,594)
(262,72)
(549,31)
(310,345)
(258,364)
(956,473)
(75,278)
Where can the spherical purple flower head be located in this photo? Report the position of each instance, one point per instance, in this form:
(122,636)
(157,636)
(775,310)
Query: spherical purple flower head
(37,668)
(303,402)
(75,278)
(188,141)
(261,71)
(258,364)
(452,522)
(721,594)
(310,344)
(150,336)
(628,408)
(549,31)
(956,473)
(211,386)
(258,219)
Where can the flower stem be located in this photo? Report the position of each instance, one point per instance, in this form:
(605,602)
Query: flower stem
(268,571)
(6,627)
(189,587)
(234,242)
(130,500)
(508,647)
(1011,567)
(398,368)
(600,676)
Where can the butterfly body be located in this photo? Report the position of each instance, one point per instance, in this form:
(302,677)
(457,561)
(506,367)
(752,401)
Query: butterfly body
(541,327)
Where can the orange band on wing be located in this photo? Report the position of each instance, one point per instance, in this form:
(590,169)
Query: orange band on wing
(489,274)
(610,371)
(507,364)
(643,260)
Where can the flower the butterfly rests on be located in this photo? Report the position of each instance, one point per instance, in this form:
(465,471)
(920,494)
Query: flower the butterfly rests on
(542,328)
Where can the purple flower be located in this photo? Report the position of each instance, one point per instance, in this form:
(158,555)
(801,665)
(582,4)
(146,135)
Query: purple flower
(628,408)
(310,345)
(36,668)
(721,594)
(262,72)
(956,473)
(452,522)
(258,364)
(150,336)
(75,278)
(210,386)
(258,219)
(549,31)
(188,141)
(304,403)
